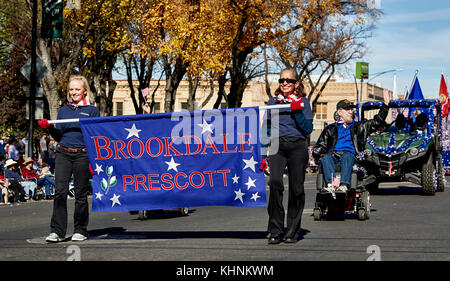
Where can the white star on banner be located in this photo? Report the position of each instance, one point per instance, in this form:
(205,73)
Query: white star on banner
(98,195)
(255,196)
(235,178)
(250,163)
(206,127)
(172,165)
(250,183)
(98,169)
(133,131)
(239,195)
(115,200)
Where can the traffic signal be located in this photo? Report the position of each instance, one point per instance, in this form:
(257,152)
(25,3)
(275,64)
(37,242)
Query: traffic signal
(52,18)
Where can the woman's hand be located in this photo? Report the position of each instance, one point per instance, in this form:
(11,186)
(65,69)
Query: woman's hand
(43,123)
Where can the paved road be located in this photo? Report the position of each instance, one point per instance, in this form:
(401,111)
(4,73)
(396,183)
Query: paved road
(404,225)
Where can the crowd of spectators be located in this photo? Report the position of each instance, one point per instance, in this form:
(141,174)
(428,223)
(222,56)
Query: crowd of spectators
(21,176)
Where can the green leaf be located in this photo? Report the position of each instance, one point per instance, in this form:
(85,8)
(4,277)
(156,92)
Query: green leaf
(104,184)
(109,170)
(113,181)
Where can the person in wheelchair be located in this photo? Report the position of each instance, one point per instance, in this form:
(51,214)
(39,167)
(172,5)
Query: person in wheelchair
(341,141)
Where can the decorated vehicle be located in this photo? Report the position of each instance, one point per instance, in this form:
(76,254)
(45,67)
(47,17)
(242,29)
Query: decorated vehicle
(411,153)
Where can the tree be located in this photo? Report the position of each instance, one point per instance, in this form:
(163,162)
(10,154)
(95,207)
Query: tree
(330,41)
(14,47)
(102,27)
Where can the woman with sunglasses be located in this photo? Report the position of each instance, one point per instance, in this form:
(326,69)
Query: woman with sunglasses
(287,130)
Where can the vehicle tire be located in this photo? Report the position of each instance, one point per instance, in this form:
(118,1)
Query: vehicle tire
(317,214)
(142,215)
(429,178)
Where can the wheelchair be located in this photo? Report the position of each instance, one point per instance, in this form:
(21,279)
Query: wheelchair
(355,201)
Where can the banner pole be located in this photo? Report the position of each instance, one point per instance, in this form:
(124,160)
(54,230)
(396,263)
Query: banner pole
(266,107)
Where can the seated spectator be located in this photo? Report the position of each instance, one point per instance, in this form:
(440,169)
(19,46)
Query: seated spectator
(14,177)
(4,194)
(44,179)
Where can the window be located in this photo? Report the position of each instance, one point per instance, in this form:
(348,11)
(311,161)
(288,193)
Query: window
(321,110)
(119,108)
(157,107)
(184,106)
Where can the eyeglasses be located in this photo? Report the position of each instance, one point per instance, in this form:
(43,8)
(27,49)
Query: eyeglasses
(289,81)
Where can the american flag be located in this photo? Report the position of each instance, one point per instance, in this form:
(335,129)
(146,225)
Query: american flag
(145,92)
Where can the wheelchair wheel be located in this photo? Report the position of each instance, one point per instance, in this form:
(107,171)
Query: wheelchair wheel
(361,214)
(184,211)
(317,214)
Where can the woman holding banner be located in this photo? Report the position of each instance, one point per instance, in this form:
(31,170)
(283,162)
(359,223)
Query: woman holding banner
(71,158)
(289,149)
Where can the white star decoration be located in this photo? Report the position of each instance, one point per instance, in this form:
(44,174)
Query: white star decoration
(250,183)
(115,200)
(98,195)
(255,196)
(172,165)
(133,131)
(250,163)
(206,127)
(235,178)
(98,169)
(239,195)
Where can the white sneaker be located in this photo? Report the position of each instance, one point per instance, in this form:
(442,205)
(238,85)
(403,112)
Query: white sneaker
(342,188)
(53,238)
(331,190)
(78,237)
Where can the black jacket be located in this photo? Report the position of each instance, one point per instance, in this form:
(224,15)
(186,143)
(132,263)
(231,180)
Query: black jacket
(359,133)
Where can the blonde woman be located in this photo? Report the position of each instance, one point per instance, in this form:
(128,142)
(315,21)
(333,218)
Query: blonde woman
(71,157)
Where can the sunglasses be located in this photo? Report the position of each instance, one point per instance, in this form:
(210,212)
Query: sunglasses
(289,81)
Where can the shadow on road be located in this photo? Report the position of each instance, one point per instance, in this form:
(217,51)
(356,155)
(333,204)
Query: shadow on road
(400,190)
(122,233)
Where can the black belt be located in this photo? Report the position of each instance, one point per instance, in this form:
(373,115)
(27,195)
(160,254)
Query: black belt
(72,149)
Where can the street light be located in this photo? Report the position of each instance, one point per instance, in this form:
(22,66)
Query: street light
(384,72)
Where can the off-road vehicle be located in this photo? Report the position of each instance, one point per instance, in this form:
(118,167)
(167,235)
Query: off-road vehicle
(412,154)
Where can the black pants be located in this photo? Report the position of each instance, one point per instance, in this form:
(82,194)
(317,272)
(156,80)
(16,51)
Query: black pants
(66,164)
(292,154)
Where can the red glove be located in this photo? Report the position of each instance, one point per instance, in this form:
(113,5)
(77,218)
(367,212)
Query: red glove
(297,105)
(263,166)
(43,123)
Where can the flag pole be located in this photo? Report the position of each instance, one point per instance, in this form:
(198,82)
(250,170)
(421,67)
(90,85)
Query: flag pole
(412,84)
(266,107)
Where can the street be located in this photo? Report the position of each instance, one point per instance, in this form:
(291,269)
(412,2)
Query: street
(404,226)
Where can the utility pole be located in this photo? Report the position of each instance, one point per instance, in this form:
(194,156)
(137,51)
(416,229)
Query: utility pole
(32,78)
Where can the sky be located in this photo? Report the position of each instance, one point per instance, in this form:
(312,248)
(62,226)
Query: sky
(411,35)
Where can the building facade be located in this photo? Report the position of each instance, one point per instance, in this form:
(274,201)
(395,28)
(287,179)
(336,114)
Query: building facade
(254,95)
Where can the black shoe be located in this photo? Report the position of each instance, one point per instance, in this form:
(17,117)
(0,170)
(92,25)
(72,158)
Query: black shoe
(290,240)
(274,240)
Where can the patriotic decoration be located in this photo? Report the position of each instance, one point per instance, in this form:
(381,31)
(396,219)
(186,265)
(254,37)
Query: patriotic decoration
(443,97)
(145,92)
(281,99)
(175,160)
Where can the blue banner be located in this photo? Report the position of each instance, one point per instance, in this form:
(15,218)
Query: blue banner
(175,160)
